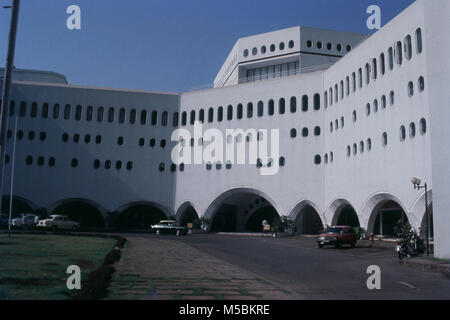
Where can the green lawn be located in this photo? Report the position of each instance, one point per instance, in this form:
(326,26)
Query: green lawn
(34,266)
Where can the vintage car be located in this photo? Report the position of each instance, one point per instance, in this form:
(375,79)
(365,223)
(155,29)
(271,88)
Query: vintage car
(337,236)
(169,227)
(57,222)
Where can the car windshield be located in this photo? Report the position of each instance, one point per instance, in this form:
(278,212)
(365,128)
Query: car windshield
(333,230)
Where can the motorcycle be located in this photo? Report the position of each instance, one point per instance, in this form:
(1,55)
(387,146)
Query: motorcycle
(410,246)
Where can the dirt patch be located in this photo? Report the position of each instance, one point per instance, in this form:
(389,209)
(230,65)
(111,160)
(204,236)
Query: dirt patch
(96,285)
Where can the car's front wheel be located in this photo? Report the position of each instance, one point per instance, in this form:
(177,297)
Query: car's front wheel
(179,233)
(54,228)
(337,245)
(353,244)
(320,246)
(158,232)
(74,228)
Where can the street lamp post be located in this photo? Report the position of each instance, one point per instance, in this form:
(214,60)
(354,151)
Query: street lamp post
(7,88)
(11,191)
(417,185)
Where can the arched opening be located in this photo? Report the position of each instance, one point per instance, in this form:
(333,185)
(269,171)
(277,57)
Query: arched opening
(83,212)
(188,214)
(347,217)
(424,223)
(385,216)
(19,206)
(240,209)
(254,223)
(308,221)
(139,216)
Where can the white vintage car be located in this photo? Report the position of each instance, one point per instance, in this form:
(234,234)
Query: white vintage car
(57,222)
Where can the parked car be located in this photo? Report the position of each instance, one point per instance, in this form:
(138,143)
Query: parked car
(57,222)
(337,236)
(169,227)
(25,221)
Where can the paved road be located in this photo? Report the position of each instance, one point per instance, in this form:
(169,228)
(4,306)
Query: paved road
(298,265)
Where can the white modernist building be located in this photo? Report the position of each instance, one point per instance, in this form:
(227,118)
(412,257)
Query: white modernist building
(357,116)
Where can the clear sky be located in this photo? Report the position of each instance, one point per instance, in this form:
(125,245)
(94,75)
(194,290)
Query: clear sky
(167,45)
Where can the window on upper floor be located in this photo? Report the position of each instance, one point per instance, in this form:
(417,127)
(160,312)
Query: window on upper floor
(347,85)
(122,113)
(230,112)
(421,83)
(184,118)
(281,106)
(210,115)
(305,103)
(382,64)
(293,104)
(408,47)
(316,101)
(143,117)
(423,126)
(201,116)
(78,112)
(34,110)
(44,113)
(111,115)
(100,111)
(271,107)
(67,110)
(154,118)
(240,111)
(391,58)
(175,119)
(89,113)
(398,53)
(374,69)
(360,78)
(260,109)
(367,68)
(220,114)
(23,109)
(419,43)
(192,117)
(132,116)
(249,110)
(354,81)
(412,129)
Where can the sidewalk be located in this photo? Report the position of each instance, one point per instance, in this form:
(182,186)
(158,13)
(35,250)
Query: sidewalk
(164,269)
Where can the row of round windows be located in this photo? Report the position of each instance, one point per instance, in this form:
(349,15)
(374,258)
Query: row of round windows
(31,135)
(108,164)
(371,69)
(412,129)
(362,147)
(40,161)
(420,85)
(272,48)
(330,46)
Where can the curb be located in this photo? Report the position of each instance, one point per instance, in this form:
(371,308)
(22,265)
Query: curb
(425,265)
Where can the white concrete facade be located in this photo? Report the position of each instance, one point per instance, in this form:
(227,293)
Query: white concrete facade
(354,107)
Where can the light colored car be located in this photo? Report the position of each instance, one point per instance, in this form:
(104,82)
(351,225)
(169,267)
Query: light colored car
(57,222)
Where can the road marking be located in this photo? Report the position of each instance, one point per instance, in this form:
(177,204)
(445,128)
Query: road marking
(407,284)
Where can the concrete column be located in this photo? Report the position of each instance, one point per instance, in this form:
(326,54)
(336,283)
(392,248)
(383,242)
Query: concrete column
(437,50)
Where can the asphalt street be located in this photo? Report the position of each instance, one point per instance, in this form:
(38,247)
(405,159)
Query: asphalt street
(328,273)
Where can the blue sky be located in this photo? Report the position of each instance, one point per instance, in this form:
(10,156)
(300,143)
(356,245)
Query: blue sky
(163,45)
